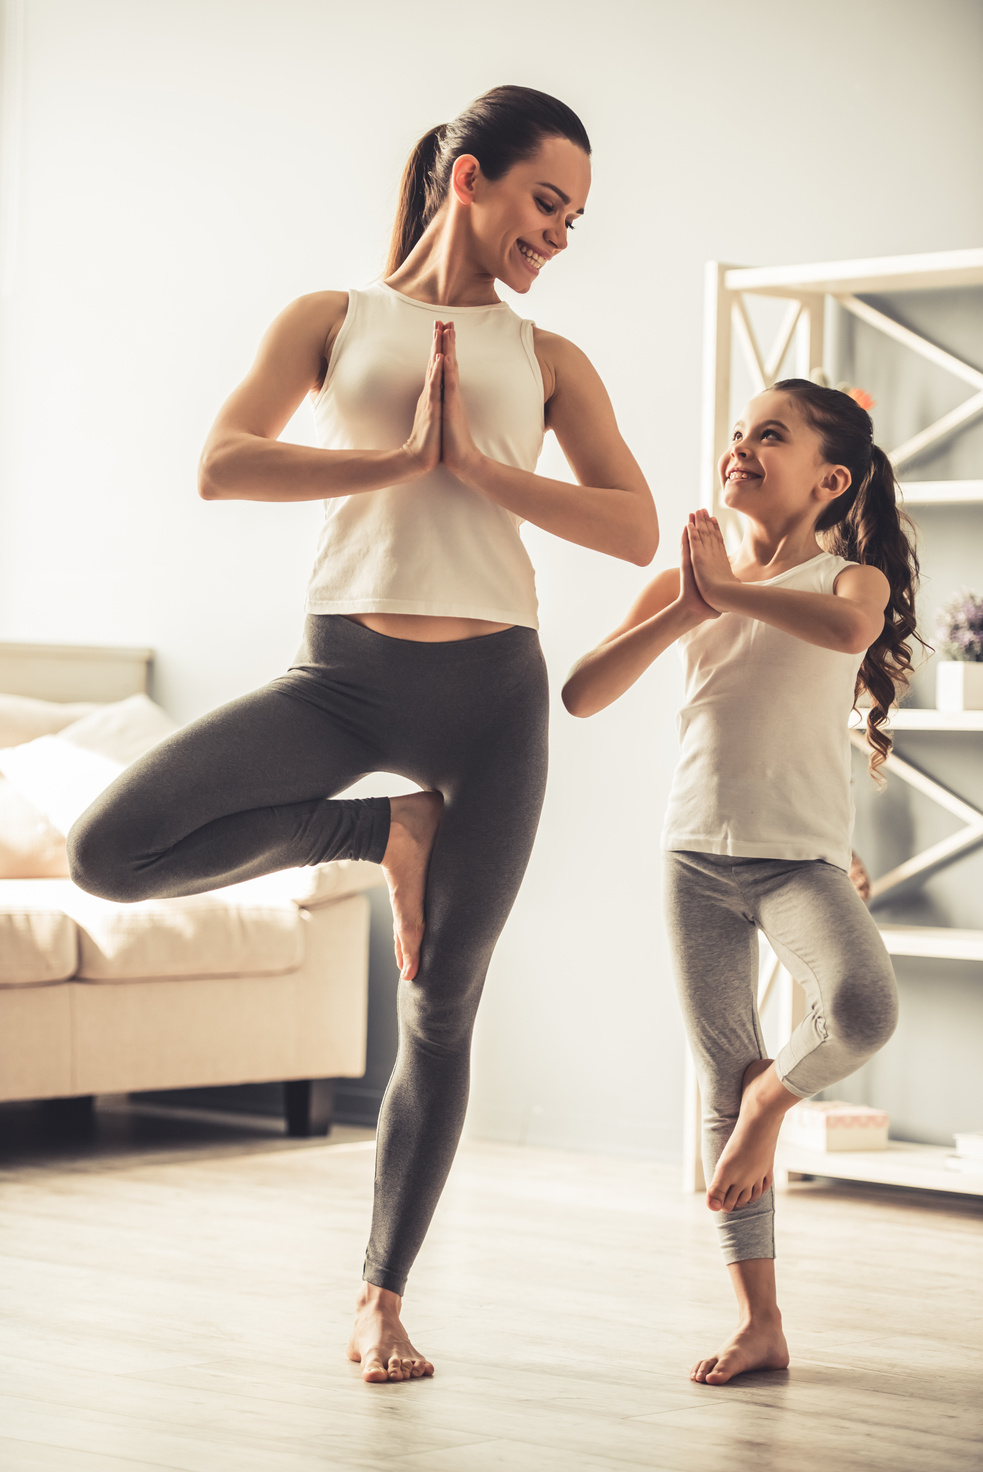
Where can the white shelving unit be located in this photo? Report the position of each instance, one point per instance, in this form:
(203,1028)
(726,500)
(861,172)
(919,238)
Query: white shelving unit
(801,339)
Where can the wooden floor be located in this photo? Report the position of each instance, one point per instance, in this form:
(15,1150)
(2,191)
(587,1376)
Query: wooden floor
(176,1294)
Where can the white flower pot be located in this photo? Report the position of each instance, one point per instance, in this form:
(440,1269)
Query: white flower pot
(959,685)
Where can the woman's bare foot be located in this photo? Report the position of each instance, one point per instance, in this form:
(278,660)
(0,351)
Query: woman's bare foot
(379,1343)
(757,1345)
(413,828)
(747,1163)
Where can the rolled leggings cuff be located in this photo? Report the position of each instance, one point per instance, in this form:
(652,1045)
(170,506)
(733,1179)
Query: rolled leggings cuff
(379,814)
(383,1278)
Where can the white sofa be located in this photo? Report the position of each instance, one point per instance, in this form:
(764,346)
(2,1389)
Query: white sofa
(262,981)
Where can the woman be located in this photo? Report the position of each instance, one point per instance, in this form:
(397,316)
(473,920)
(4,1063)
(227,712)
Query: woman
(420,653)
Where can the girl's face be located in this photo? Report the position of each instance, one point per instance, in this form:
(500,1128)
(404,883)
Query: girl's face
(774,469)
(521,221)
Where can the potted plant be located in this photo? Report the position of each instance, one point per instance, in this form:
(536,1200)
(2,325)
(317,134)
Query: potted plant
(959,679)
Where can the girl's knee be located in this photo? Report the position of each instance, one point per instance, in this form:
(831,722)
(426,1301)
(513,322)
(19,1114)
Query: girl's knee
(864,1012)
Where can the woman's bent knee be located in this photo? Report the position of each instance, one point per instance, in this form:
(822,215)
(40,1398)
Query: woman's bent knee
(96,862)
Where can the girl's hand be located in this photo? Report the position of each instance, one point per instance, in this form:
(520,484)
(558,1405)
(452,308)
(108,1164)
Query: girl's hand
(459,452)
(690,599)
(708,555)
(424,442)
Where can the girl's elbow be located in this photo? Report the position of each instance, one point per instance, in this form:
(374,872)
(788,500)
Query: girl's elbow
(646,542)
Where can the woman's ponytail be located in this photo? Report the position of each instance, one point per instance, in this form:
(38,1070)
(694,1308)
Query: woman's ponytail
(419,199)
(867,525)
(499,128)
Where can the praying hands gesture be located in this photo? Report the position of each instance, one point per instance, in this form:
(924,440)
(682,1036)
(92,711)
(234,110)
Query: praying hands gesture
(440,433)
(705,560)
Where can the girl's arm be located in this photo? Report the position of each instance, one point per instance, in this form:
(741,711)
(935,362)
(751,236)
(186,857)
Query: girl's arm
(244,461)
(849,619)
(671,605)
(611,510)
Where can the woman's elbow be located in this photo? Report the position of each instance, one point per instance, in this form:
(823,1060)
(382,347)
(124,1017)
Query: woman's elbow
(575,701)
(207,487)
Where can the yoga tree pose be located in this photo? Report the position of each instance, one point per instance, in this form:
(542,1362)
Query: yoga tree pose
(420,653)
(777,641)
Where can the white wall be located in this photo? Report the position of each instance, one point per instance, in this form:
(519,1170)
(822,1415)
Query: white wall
(188,167)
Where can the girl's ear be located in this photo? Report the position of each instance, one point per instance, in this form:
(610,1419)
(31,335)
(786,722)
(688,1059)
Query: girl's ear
(833,483)
(464,177)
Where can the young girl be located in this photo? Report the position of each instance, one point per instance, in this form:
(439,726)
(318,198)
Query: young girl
(815,606)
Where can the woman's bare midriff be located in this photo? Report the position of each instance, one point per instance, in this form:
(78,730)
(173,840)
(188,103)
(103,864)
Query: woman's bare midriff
(424,628)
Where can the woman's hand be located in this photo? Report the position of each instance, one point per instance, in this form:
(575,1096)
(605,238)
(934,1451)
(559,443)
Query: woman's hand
(424,443)
(690,599)
(459,452)
(711,567)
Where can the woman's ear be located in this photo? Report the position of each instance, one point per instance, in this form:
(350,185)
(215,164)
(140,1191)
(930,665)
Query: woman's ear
(465,172)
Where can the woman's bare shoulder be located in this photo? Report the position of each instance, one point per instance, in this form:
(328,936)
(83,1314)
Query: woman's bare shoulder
(556,354)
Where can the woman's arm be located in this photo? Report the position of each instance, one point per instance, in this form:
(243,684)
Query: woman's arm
(611,510)
(244,461)
(849,619)
(671,605)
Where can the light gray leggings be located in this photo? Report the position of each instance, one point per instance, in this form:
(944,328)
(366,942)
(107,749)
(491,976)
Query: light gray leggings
(242,792)
(820,930)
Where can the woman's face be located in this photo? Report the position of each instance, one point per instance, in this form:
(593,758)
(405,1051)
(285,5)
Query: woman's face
(522,220)
(774,468)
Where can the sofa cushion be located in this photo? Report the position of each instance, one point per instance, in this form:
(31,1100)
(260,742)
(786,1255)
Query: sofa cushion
(22,717)
(38,941)
(322,884)
(30,847)
(242,930)
(57,777)
(123,731)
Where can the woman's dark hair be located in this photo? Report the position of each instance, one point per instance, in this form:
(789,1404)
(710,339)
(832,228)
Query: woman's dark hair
(500,128)
(866,525)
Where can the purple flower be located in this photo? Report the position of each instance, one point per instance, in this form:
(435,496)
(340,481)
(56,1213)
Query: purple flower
(960,627)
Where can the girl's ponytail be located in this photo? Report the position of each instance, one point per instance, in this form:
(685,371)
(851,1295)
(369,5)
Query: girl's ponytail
(876,533)
(867,525)
(419,199)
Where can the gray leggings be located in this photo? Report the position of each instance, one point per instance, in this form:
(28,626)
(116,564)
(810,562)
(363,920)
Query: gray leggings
(242,792)
(820,930)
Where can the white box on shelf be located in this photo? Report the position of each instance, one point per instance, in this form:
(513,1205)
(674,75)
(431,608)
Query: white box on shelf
(829,1124)
(959,685)
(970,1147)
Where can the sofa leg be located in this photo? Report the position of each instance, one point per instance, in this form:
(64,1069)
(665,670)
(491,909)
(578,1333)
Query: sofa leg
(73,1117)
(309,1105)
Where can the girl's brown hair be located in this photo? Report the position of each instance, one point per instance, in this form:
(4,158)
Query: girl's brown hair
(866,525)
(499,128)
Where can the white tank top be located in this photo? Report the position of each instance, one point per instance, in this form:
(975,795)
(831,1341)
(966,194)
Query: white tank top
(764,767)
(432,545)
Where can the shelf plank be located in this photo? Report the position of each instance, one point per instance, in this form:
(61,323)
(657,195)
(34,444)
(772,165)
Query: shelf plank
(933,940)
(942,492)
(919,1166)
(882,273)
(908,719)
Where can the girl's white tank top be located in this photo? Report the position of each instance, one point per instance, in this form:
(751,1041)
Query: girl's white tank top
(429,546)
(764,767)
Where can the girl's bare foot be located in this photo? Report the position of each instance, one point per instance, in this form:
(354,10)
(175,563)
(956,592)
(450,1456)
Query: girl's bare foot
(413,828)
(379,1343)
(747,1162)
(759,1344)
